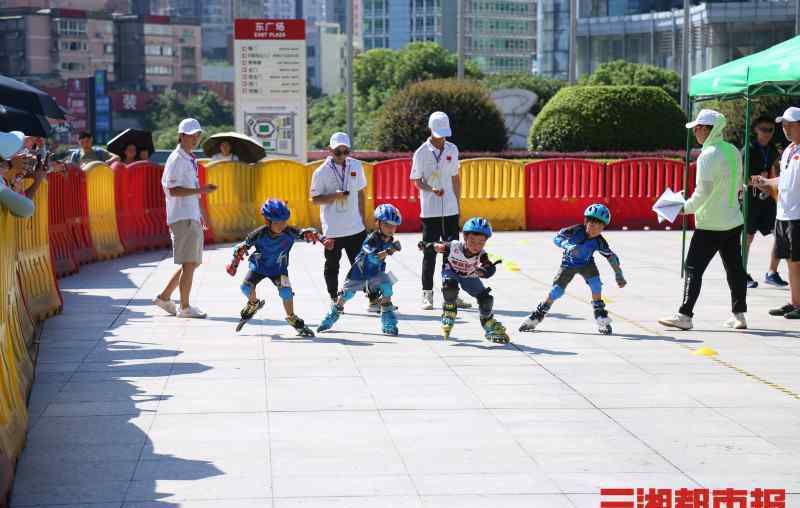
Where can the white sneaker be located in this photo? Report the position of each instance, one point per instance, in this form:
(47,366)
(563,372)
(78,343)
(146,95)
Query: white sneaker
(191,312)
(167,305)
(427,300)
(461,304)
(737,322)
(678,321)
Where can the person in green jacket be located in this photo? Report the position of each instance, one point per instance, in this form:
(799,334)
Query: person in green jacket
(718,221)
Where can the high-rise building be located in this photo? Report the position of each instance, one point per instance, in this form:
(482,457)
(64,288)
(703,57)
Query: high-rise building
(651,31)
(280,9)
(499,35)
(158,52)
(61,43)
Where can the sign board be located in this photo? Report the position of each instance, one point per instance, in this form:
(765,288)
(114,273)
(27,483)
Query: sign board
(270,84)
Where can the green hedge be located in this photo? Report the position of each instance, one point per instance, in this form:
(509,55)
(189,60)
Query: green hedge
(604,118)
(477,125)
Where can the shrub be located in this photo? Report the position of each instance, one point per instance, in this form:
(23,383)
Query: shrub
(402,123)
(607,118)
(620,72)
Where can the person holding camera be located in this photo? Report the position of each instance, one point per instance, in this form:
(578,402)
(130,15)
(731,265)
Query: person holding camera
(764,158)
(337,186)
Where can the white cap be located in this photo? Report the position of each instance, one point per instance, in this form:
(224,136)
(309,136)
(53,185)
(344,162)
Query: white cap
(705,117)
(11,143)
(339,139)
(790,115)
(189,126)
(439,124)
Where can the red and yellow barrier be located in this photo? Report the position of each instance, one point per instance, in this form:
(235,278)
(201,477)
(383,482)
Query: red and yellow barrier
(233,207)
(16,369)
(495,190)
(102,204)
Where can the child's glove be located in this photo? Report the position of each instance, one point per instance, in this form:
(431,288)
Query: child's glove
(396,247)
(487,271)
(239,252)
(621,282)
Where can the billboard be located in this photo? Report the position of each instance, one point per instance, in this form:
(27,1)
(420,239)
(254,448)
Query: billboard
(270,84)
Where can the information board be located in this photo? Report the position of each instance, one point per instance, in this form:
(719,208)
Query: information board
(270,94)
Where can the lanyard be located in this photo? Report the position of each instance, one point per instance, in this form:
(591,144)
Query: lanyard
(764,155)
(343,179)
(437,157)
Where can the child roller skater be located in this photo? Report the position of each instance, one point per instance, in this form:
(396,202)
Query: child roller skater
(272,243)
(467,263)
(579,243)
(368,272)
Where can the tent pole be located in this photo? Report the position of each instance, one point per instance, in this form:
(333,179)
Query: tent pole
(686,163)
(745,178)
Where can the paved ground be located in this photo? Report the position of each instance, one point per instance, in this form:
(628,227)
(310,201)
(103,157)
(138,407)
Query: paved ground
(136,409)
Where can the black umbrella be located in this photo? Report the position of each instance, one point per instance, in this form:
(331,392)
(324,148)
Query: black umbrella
(247,149)
(142,139)
(16,94)
(12,119)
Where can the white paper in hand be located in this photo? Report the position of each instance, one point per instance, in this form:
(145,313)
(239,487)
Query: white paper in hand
(669,205)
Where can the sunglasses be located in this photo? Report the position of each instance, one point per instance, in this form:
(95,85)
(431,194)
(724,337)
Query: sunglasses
(341,151)
(766,129)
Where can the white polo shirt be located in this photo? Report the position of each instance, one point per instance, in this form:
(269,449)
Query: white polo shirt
(789,184)
(180,170)
(437,169)
(342,217)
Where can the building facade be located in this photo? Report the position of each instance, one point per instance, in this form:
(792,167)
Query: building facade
(499,35)
(651,32)
(158,52)
(56,43)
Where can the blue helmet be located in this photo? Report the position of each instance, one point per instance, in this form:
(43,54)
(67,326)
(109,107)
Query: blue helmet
(275,210)
(389,214)
(599,212)
(479,226)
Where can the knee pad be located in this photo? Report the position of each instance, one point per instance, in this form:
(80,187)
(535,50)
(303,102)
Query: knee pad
(556,292)
(347,295)
(485,303)
(595,284)
(285,293)
(386,290)
(245,288)
(450,290)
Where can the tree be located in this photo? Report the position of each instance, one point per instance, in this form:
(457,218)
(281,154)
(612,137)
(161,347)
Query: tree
(734,111)
(600,118)
(402,123)
(544,88)
(169,108)
(620,72)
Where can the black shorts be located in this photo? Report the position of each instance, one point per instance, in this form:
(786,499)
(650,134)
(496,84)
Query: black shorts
(254,278)
(566,273)
(787,239)
(761,216)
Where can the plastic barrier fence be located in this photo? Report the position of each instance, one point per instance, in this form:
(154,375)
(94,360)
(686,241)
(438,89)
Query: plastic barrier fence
(392,185)
(16,370)
(140,207)
(495,190)
(34,264)
(634,185)
(233,207)
(101,198)
(559,190)
(289,181)
(61,244)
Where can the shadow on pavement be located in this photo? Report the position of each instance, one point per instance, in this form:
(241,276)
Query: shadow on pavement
(95,401)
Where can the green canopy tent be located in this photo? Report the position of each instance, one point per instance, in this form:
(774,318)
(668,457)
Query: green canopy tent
(774,71)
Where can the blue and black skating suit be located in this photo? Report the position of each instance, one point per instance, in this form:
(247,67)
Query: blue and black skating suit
(578,257)
(271,258)
(368,272)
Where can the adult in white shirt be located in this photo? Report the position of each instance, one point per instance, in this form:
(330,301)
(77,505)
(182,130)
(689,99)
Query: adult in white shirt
(434,171)
(182,191)
(787,225)
(10,145)
(337,186)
